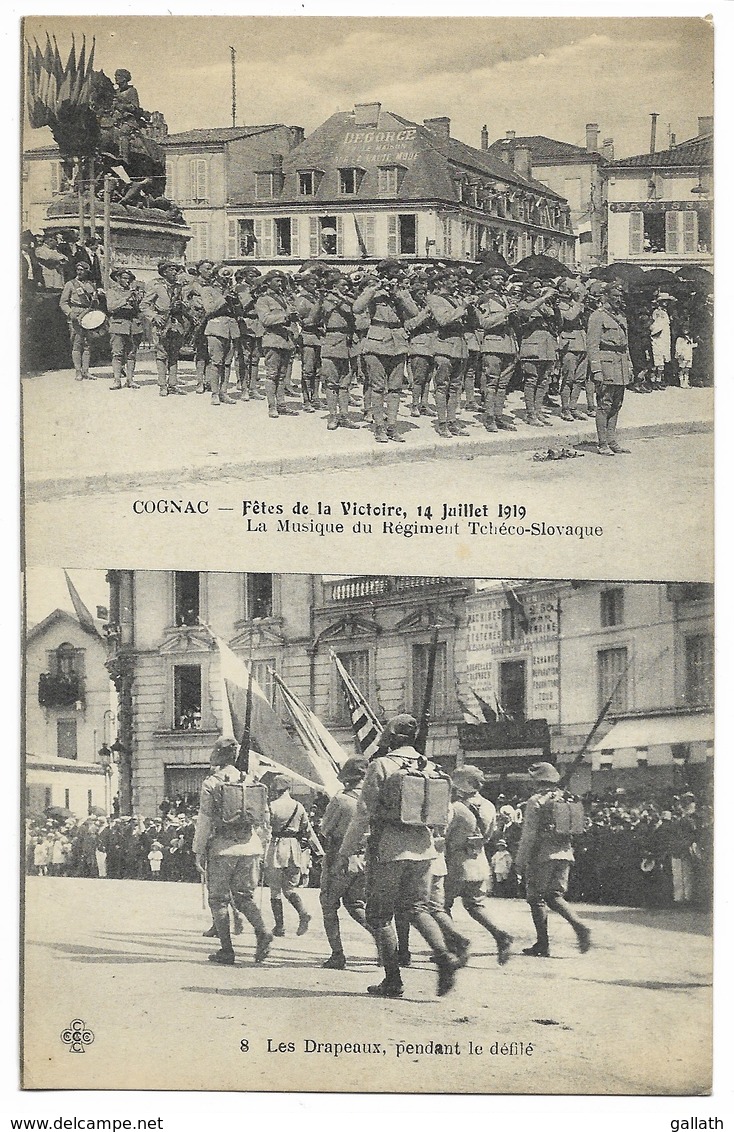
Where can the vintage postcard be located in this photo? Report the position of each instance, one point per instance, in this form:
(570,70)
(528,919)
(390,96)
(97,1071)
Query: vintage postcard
(367,424)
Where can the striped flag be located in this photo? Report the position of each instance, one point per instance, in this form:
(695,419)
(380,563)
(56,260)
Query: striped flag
(367,727)
(326,754)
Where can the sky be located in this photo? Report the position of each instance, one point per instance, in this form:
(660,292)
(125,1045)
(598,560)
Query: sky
(535,76)
(46,590)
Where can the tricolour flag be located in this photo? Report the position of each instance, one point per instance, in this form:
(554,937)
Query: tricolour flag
(365,724)
(84,617)
(517,607)
(326,754)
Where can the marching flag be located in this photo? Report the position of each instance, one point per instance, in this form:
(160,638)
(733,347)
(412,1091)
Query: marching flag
(365,724)
(262,764)
(325,753)
(492,709)
(267,733)
(422,736)
(84,617)
(516,606)
(471,714)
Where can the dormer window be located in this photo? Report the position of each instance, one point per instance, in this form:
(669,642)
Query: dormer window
(387,180)
(350,180)
(308,182)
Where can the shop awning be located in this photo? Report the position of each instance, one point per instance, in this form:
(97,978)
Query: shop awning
(658,731)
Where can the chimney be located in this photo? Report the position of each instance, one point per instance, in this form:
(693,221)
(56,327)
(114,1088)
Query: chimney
(608,148)
(672,141)
(439,126)
(297,135)
(276,162)
(706,124)
(653,130)
(485,138)
(522,161)
(510,135)
(592,137)
(366,113)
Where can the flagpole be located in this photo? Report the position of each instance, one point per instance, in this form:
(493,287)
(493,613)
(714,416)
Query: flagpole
(107,229)
(80,195)
(422,735)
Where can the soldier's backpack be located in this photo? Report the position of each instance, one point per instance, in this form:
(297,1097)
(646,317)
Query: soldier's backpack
(418,794)
(562,816)
(239,807)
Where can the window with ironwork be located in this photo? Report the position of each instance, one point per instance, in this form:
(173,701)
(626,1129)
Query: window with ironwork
(187,697)
(612,607)
(420,664)
(699,669)
(612,679)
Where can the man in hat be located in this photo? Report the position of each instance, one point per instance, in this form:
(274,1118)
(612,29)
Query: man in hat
(126,327)
(538,347)
(574,356)
(164,309)
(499,350)
(79,296)
(399,862)
(222,332)
(610,366)
(307,302)
(53,258)
(449,312)
(421,346)
(660,338)
(229,856)
(472,825)
(290,832)
(338,331)
(278,317)
(201,273)
(251,332)
(385,345)
(544,859)
(342,880)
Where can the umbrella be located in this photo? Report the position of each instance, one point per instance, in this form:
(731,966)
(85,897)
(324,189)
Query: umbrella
(702,279)
(631,274)
(59,812)
(543,266)
(97,812)
(658,277)
(488,261)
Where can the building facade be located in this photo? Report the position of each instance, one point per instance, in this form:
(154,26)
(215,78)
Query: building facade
(70,720)
(661,204)
(575,173)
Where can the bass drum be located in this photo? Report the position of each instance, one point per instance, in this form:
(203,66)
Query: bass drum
(95,322)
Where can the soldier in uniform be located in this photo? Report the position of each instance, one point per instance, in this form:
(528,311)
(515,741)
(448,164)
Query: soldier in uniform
(544,861)
(421,345)
(385,345)
(222,334)
(165,311)
(230,858)
(472,825)
(399,865)
(126,327)
(277,316)
(342,881)
(473,338)
(499,351)
(307,302)
(78,296)
(610,365)
(284,859)
(251,332)
(450,352)
(574,358)
(538,347)
(338,329)
(203,272)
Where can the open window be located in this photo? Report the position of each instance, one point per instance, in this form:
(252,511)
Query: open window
(187,697)
(258,596)
(186,597)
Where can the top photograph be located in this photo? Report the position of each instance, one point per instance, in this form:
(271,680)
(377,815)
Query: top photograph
(309,247)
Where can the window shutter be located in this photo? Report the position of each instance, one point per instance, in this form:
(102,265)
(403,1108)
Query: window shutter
(690,232)
(202,180)
(55,177)
(171,179)
(193,165)
(635,233)
(313,236)
(259,253)
(340,235)
(671,232)
(267,240)
(232,249)
(295,237)
(392,235)
(368,233)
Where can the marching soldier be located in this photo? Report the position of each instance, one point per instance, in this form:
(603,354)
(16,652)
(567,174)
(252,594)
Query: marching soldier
(291,831)
(229,852)
(126,327)
(544,859)
(338,329)
(166,313)
(385,345)
(277,315)
(450,352)
(610,365)
(79,296)
(308,304)
(499,351)
(342,880)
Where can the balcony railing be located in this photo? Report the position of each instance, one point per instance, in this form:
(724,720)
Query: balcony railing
(59,690)
(377,585)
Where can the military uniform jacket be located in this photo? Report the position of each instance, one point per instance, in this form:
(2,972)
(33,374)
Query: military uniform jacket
(391,842)
(156,306)
(336,821)
(338,322)
(77,297)
(450,327)
(309,310)
(386,333)
(289,824)
(538,338)
(607,344)
(206,838)
(538,845)
(123,311)
(498,338)
(466,860)
(192,298)
(421,334)
(472,331)
(573,334)
(250,325)
(219,323)
(275,313)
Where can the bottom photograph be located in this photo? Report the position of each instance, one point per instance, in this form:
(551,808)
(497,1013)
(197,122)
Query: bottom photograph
(298,832)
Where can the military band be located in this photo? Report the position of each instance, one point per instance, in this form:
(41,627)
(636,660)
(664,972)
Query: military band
(453,340)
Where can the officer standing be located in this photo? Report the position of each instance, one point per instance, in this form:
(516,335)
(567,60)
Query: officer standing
(610,365)
(544,859)
(126,328)
(385,345)
(291,829)
(342,881)
(399,863)
(277,315)
(231,857)
(166,313)
(499,351)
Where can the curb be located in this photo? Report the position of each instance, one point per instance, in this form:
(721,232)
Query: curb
(42,491)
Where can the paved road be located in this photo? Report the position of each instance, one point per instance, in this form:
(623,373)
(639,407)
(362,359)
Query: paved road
(127,958)
(655,508)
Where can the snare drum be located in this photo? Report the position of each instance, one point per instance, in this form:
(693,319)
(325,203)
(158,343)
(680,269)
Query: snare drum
(94,322)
